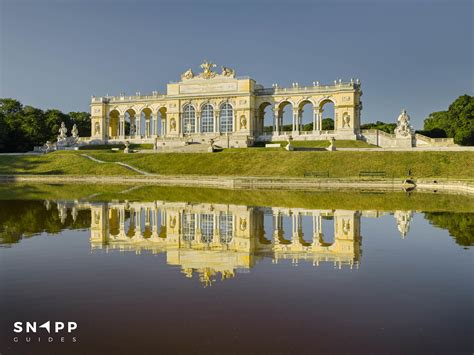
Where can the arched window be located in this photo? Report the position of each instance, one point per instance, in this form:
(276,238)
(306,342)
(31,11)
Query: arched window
(226,227)
(189,119)
(207,118)
(225,118)
(188,227)
(207,228)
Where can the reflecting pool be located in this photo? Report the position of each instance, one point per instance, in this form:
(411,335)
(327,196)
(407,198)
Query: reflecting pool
(187,276)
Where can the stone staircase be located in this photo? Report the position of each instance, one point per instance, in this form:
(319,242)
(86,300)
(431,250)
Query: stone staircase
(189,148)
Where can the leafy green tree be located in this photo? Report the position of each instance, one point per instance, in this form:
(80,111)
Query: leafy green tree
(328,124)
(457,122)
(383,126)
(23,127)
(82,121)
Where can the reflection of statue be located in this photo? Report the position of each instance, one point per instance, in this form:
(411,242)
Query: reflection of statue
(346,226)
(96,217)
(243,224)
(228,72)
(173,222)
(403,125)
(75,131)
(403,219)
(207,73)
(62,132)
(188,74)
(173,124)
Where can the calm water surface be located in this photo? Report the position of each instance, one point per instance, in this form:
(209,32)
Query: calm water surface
(173,277)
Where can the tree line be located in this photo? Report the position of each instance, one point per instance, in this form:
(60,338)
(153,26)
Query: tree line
(457,122)
(23,127)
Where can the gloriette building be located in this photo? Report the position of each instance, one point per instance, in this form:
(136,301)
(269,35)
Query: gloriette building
(226,108)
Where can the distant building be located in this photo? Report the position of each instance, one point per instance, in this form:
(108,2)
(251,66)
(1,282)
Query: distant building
(228,109)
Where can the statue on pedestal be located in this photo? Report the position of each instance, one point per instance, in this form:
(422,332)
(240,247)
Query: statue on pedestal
(289,146)
(62,132)
(332,146)
(75,131)
(404,129)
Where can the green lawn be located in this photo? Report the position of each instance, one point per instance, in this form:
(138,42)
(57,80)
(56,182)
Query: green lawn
(250,162)
(325,144)
(58,163)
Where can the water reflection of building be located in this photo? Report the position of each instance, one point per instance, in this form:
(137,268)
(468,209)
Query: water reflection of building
(211,239)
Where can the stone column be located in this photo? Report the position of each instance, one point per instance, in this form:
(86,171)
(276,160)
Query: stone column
(148,125)
(138,222)
(122,220)
(163,127)
(276,122)
(316,120)
(217,127)
(277,222)
(156,121)
(296,127)
(216,238)
(296,227)
(138,125)
(122,126)
(198,122)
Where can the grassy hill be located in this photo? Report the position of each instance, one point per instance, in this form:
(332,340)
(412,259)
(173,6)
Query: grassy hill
(249,162)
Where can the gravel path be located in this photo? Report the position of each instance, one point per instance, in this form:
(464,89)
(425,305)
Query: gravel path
(117,162)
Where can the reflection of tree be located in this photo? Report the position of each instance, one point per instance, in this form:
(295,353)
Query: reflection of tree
(459,225)
(23,219)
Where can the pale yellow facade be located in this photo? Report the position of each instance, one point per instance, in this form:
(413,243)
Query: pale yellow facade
(225,108)
(212,239)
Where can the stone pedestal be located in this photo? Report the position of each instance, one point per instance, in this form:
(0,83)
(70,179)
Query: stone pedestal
(403,141)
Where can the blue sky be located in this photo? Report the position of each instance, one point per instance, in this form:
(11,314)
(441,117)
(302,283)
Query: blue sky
(415,54)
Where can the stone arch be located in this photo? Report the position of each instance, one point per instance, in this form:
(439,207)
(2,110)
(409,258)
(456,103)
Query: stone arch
(264,118)
(130,122)
(161,119)
(114,123)
(285,115)
(146,117)
(210,103)
(327,110)
(305,108)
(325,100)
(114,222)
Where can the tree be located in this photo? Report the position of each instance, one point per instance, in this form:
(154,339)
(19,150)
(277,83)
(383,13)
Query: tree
(83,122)
(386,127)
(23,127)
(328,124)
(457,122)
